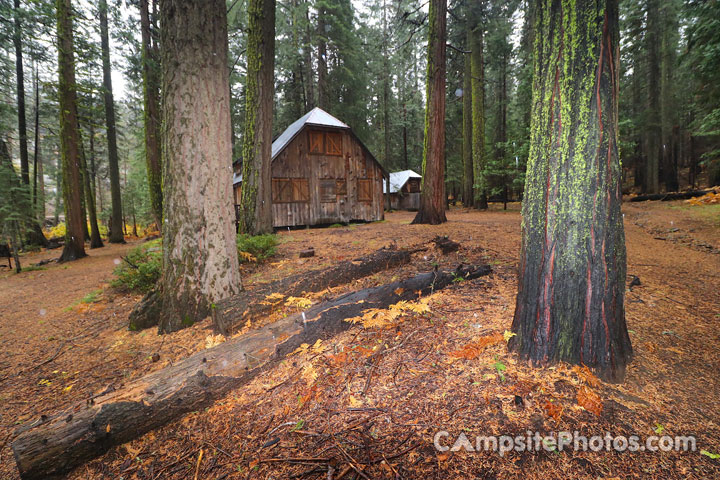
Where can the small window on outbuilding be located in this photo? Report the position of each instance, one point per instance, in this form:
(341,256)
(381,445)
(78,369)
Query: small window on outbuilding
(364,190)
(333,143)
(327,190)
(290,190)
(325,143)
(317,144)
(341,187)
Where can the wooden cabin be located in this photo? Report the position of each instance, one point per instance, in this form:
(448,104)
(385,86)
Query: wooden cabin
(322,174)
(404,190)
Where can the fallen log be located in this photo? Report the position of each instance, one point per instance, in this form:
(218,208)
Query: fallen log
(233,312)
(446,245)
(54,445)
(672,195)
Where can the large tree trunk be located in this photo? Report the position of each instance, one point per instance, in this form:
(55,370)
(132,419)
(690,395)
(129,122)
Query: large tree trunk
(256,197)
(74,247)
(20,79)
(386,89)
(35,235)
(502,123)
(15,194)
(115,233)
(478,113)
(308,64)
(200,263)
(89,192)
(570,303)
(36,145)
(322,85)
(668,106)
(468,177)
(653,129)
(151,115)
(432,198)
(55,445)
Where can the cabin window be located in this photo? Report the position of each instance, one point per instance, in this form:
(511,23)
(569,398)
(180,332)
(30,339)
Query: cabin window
(341,187)
(317,144)
(412,186)
(333,143)
(325,143)
(327,190)
(364,190)
(290,190)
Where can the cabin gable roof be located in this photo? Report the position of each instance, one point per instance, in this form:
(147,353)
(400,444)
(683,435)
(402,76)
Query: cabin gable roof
(316,117)
(399,179)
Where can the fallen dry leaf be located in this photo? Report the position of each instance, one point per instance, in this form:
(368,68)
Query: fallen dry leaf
(553,410)
(474,349)
(589,400)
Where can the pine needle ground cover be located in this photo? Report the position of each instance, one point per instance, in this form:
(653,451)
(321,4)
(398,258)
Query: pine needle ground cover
(375,396)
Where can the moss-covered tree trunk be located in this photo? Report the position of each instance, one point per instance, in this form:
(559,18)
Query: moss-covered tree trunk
(20,85)
(669,37)
(468,177)
(322,69)
(478,113)
(115,233)
(653,129)
(151,116)
(200,263)
(570,303)
(69,137)
(432,198)
(89,197)
(386,72)
(38,196)
(256,196)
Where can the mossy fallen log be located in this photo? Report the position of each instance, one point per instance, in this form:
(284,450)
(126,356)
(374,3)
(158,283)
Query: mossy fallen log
(232,313)
(55,444)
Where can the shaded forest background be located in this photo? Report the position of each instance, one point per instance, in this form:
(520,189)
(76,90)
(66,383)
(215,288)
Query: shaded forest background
(364,62)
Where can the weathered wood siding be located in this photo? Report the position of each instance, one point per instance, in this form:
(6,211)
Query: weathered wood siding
(341,187)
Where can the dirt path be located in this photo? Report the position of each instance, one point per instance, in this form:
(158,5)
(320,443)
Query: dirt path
(414,390)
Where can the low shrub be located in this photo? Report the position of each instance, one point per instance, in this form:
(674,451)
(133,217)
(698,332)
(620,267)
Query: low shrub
(256,248)
(140,269)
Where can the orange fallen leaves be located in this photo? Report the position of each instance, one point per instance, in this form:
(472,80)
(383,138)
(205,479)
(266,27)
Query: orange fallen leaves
(589,400)
(383,318)
(473,349)
(586,375)
(553,410)
(707,199)
(338,360)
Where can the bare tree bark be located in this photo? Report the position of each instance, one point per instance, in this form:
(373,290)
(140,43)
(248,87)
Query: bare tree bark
(432,198)
(151,115)
(478,114)
(197,159)
(75,225)
(115,234)
(468,177)
(20,79)
(89,192)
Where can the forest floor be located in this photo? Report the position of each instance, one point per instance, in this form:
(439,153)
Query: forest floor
(367,403)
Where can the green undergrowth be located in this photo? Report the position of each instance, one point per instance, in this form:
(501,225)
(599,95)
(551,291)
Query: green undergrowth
(140,270)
